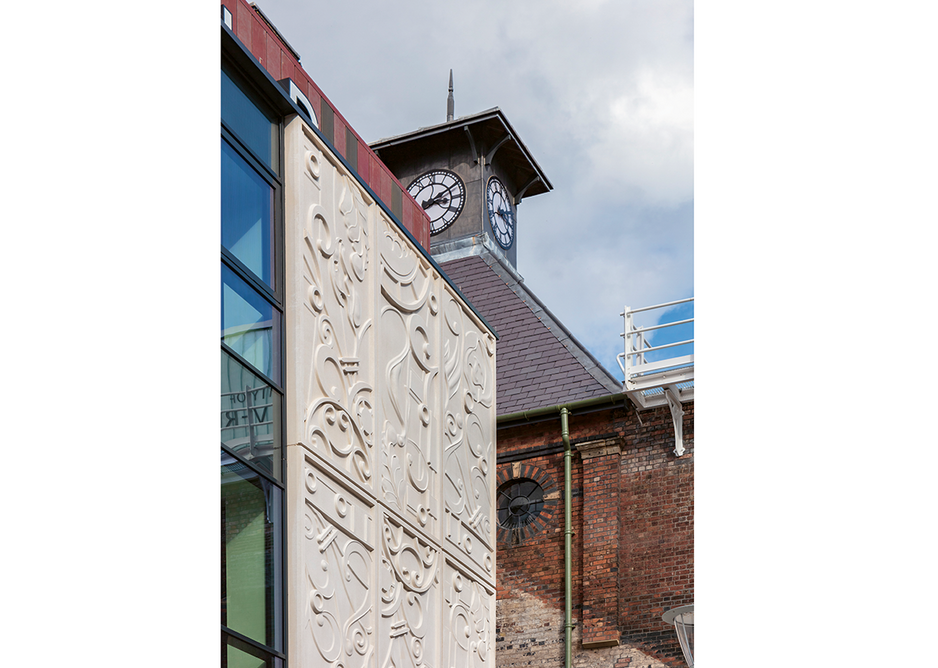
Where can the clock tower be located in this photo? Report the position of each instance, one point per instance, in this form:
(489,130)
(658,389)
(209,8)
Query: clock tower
(469,174)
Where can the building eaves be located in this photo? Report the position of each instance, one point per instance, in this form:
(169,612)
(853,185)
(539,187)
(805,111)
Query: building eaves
(490,125)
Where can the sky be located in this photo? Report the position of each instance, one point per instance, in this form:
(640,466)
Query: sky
(602,94)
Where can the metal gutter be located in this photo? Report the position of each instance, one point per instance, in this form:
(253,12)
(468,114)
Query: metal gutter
(546,413)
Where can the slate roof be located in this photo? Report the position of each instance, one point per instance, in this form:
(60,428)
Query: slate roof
(538,362)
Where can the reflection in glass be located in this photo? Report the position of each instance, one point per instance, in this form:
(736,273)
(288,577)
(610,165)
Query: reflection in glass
(247,116)
(246,213)
(250,416)
(250,571)
(235,658)
(249,324)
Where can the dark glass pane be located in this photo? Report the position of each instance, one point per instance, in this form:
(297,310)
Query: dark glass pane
(249,118)
(247,203)
(250,416)
(250,325)
(250,567)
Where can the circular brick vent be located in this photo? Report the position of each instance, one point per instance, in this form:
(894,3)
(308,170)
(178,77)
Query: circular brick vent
(526,502)
(519,503)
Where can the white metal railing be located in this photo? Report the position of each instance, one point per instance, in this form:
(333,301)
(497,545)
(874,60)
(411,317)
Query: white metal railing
(640,374)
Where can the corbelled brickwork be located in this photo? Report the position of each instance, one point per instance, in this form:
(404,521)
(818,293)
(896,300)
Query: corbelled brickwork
(647,494)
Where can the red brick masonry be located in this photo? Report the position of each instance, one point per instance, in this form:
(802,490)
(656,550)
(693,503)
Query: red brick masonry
(633,555)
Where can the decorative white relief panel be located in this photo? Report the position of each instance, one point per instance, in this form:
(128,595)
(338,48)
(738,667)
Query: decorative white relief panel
(408,366)
(331,607)
(391,437)
(468,628)
(468,436)
(408,584)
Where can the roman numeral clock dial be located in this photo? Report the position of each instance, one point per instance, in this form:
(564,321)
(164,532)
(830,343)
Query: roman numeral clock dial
(442,194)
(501,217)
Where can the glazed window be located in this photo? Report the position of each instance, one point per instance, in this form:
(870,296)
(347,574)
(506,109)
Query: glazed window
(250,416)
(252,510)
(247,214)
(250,325)
(252,121)
(251,579)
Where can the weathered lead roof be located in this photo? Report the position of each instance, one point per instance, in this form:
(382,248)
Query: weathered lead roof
(538,362)
(489,128)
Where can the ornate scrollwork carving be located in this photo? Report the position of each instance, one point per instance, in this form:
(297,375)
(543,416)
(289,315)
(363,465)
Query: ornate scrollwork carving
(335,263)
(410,569)
(468,619)
(407,359)
(339,613)
(334,430)
(468,366)
(397,438)
(406,280)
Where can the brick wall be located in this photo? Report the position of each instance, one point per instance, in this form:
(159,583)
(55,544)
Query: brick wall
(634,569)
(599,536)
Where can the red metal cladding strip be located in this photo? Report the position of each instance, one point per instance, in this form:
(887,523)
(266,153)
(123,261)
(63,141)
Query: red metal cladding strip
(259,39)
(273,56)
(339,132)
(243,23)
(364,162)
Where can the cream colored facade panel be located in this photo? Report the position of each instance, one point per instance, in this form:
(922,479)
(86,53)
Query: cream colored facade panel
(468,437)
(409,389)
(329,320)
(390,390)
(468,621)
(332,562)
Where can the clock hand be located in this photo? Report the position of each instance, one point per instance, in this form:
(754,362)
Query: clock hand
(439,199)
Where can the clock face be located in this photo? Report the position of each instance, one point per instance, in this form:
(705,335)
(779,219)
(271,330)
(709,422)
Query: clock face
(501,218)
(442,194)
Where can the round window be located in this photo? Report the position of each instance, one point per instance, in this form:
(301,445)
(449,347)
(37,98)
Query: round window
(519,503)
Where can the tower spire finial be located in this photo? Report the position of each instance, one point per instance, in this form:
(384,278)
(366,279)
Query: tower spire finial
(450,102)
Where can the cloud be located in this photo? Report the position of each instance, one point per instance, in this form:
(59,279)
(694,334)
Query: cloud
(644,143)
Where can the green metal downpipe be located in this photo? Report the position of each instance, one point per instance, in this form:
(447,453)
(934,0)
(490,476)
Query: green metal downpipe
(567,539)
(536,415)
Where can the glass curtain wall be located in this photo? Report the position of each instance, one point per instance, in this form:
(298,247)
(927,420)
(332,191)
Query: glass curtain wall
(252,602)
